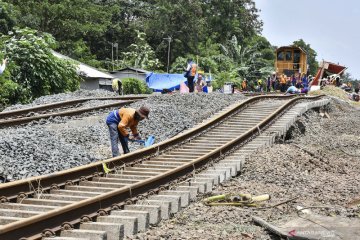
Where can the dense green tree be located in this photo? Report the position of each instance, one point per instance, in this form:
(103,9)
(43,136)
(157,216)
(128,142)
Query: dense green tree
(7,17)
(227,18)
(87,29)
(34,68)
(191,23)
(346,77)
(180,20)
(311,55)
(140,55)
(10,92)
(210,59)
(68,21)
(126,17)
(262,45)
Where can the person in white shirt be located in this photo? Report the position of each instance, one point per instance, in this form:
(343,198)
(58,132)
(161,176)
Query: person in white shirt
(3,65)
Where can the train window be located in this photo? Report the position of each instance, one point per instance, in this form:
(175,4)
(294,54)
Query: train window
(280,56)
(288,56)
(296,56)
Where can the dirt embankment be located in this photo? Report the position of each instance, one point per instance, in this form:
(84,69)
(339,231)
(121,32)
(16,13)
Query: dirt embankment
(319,166)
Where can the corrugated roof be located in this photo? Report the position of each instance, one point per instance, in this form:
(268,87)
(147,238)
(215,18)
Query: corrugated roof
(130,68)
(86,70)
(293,46)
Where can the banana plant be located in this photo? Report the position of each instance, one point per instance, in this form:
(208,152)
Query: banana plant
(247,60)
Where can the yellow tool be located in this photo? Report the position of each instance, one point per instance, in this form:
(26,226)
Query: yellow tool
(236,200)
(106,169)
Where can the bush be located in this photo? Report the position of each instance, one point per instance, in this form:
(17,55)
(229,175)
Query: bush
(11,93)
(33,66)
(134,86)
(224,77)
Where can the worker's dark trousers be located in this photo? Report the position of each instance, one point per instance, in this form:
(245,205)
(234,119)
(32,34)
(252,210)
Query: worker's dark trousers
(283,87)
(190,81)
(115,136)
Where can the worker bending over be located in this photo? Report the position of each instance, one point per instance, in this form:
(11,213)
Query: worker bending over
(118,121)
(295,90)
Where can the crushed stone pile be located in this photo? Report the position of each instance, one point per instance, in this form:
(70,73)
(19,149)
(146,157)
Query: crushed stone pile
(60,143)
(335,93)
(64,97)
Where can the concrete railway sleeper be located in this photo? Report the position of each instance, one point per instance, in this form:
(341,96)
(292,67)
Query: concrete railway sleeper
(104,203)
(66,108)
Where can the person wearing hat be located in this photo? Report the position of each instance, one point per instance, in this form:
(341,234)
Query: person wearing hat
(118,121)
(199,84)
(190,73)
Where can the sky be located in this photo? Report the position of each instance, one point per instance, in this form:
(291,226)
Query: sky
(331,27)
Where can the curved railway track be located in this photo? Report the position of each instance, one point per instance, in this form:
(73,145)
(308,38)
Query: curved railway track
(65,108)
(31,206)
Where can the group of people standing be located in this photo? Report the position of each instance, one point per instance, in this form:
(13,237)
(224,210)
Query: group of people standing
(283,82)
(330,80)
(278,83)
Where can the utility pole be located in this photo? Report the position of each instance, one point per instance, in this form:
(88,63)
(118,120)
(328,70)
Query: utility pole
(168,61)
(116,45)
(112,55)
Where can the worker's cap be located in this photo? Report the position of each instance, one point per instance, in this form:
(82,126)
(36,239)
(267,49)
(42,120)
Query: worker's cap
(143,111)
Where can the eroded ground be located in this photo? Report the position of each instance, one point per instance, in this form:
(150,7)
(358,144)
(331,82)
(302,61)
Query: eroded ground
(320,167)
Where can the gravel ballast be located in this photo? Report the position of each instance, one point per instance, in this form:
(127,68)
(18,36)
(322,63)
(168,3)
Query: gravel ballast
(64,97)
(56,144)
(320,166)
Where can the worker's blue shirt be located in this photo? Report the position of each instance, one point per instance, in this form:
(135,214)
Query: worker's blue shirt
(305,81)
(113,117)
(292,89)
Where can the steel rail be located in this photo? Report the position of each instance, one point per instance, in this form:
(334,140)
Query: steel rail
(62,104)
(18,121)
(12,189)
(53,219)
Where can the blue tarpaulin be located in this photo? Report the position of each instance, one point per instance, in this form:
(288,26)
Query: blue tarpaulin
(160,81)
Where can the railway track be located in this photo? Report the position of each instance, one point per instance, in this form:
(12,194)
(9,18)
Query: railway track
(63,200)
(65,108)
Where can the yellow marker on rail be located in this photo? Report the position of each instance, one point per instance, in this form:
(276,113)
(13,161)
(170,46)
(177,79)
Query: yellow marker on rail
(106,169)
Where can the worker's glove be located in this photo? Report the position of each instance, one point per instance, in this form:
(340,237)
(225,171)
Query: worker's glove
(135,137)
(132,138)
